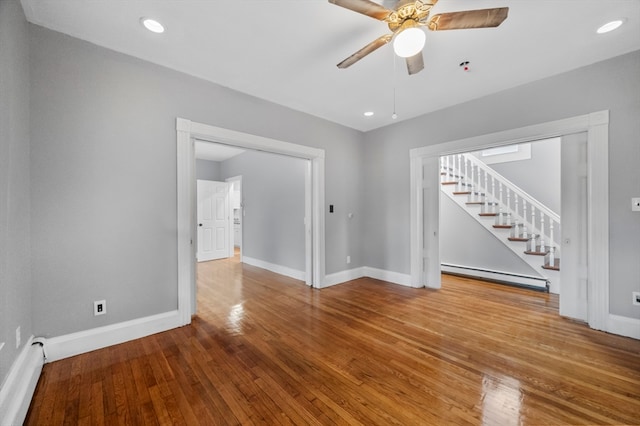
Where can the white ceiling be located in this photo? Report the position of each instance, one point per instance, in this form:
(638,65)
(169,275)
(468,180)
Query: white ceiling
(286,51)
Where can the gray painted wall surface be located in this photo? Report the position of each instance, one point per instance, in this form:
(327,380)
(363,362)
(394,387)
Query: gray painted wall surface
(208,170)
(610,85)
(15,251)
(538,176)
(104,177)
(463,241)
(273,197)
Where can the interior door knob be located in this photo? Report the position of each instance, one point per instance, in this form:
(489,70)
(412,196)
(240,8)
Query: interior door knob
(199,224)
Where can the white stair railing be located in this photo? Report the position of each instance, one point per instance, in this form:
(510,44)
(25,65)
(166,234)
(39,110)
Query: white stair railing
(508,201)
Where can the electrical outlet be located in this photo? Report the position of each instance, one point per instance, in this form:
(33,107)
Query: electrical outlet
(99,307)
(635,204)
(348,259)
(18,337)
(636,298)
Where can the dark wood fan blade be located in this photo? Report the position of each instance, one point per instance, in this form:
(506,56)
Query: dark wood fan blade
(415,63)
(483,18)
(365,7)
(377,43)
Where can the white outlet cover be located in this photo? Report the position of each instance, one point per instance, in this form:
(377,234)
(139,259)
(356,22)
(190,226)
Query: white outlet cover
(636,297)
(95,307)
(635,204)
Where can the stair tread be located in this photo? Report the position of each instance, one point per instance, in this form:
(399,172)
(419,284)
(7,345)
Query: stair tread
(551,268)
(537,252)
(477,203)
(519,239)
(449,183)
(461,192)
(488,214)
(503,226)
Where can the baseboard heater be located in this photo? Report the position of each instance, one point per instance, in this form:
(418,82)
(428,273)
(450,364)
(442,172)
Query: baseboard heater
(501,277)
(19,386)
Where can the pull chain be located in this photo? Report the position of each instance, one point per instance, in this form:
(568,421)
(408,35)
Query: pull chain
(394,115)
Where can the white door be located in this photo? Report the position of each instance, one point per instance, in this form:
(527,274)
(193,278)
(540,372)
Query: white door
(431,224)
(573,252)
(213,220)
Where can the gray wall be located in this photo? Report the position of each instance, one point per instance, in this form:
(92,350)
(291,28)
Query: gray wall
(610,85)
(15,255)
(104,177)
(273,197)
(463,241)
(208,170)
(540,175)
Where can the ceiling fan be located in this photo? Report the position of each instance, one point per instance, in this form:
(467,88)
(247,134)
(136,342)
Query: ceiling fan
(405,22)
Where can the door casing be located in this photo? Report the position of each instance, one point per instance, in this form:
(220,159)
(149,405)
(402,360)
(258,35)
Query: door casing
(186,132)
(597,127)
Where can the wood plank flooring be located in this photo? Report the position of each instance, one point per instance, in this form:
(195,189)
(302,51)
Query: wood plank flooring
(266,349)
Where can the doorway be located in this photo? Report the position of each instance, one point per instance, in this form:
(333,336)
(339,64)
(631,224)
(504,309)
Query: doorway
(425,256)
(186,132)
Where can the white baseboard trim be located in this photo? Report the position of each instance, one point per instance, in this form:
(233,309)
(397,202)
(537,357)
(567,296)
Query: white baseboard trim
(81,342)
(278,269)
(342,277)
(366,271)
(20,384)
(623,326)
(521,280)
(389,276)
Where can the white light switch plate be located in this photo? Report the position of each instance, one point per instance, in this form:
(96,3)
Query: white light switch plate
(635,204)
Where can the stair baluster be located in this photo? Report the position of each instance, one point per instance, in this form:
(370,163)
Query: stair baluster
(534,236)
(458,170)
(486,192)
(515,232)
(478,199)
(542,245)
(552,250)
(466,187)
(493,192)
(508,218)
(524,215)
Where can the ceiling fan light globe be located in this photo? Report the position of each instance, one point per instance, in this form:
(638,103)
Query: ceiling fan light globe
(409,42)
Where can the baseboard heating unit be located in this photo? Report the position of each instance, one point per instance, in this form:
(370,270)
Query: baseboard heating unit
(20,384)
(519,280)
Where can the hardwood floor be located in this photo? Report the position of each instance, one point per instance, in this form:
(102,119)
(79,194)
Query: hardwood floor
(265,349)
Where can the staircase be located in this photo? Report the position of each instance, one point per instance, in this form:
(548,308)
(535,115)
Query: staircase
(519,221)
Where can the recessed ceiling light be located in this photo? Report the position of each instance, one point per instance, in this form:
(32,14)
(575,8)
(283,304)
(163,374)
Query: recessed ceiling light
(610,26)
(152,25)
(368,113)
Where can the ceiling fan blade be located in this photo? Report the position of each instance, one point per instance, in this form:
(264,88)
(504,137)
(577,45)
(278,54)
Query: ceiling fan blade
(377,43)
(483,18)
(415,63)
(366,7)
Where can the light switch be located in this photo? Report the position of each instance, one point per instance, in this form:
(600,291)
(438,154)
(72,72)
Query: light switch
(635,204)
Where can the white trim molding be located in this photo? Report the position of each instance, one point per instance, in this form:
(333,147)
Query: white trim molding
(186,132)
(81,342)
(623,326)
(20,384)
(278,269)
(343,276)
(597,127)
(389,276)
(366,271)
